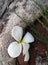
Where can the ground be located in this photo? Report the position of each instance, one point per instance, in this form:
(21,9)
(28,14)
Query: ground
(5,37)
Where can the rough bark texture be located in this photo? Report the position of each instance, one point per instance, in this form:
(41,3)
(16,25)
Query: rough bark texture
(24,8)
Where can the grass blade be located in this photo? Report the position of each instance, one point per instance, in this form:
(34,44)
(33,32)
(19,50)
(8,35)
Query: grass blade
(33,29)
(43,25)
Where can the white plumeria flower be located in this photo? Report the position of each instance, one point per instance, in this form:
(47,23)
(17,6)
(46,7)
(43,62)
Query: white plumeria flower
(16,47)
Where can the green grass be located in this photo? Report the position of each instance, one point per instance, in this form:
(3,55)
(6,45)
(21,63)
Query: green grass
(34,30)
(43,25)
(32,27)
(43,10)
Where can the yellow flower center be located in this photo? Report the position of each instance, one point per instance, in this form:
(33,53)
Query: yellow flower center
(20,41)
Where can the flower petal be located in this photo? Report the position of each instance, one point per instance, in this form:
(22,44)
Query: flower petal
(26,56)
(14,49)
(25,48)
(17,33)
(28,38)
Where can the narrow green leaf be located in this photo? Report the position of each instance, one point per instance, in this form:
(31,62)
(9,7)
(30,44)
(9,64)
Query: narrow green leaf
(43,25)
(41,37)
(43,11)
(33,29)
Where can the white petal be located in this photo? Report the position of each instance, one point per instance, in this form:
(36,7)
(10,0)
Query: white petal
(17,33)
(28,38)
(25,48)
(26,56)
(14,49)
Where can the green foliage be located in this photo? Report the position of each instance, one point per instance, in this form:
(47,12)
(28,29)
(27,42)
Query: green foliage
(43,10)
(43,13)
(38,34)
(33,29)
(43,25)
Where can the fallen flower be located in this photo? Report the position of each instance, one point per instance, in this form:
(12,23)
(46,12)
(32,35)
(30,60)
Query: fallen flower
(16,47)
